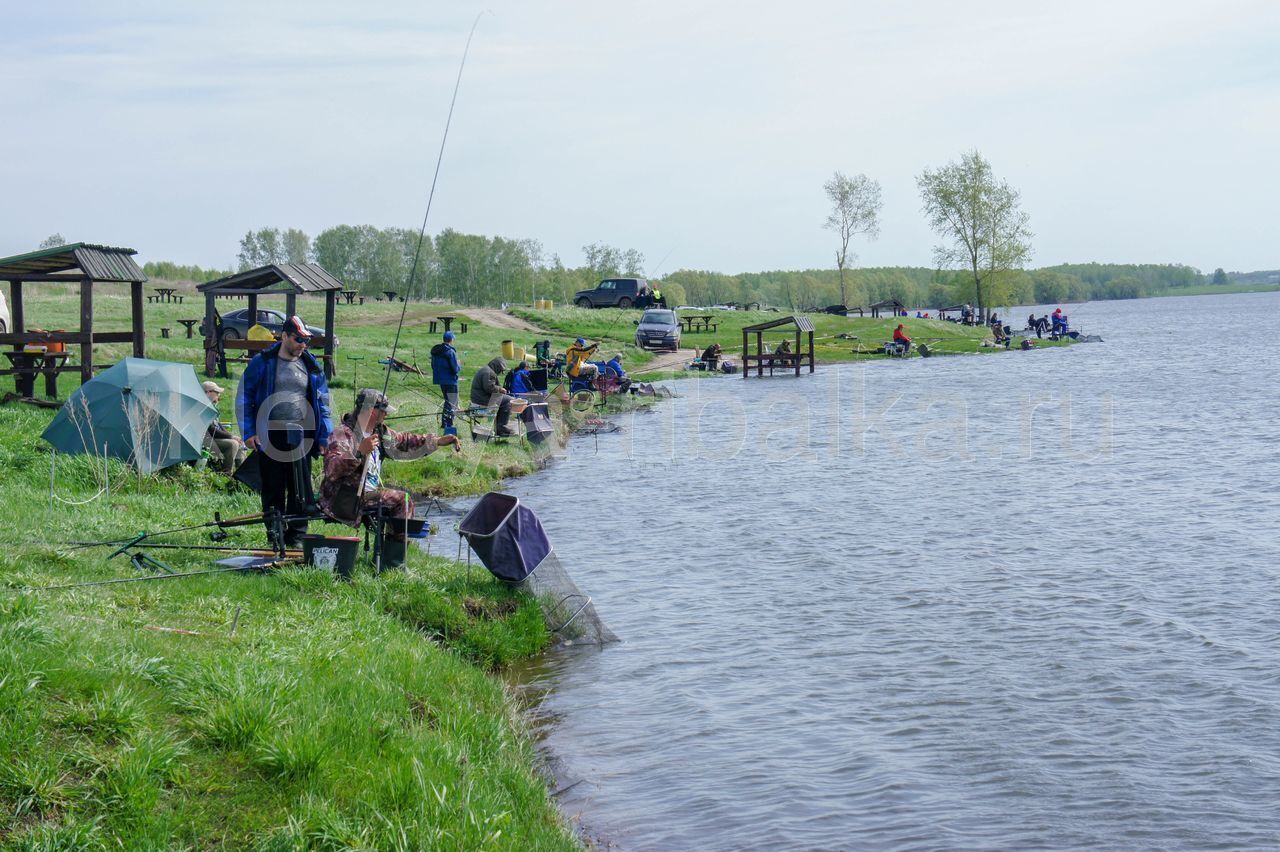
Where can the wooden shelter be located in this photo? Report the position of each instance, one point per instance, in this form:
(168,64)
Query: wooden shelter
(888,304)
(280,279)
(84,264)
(792,325)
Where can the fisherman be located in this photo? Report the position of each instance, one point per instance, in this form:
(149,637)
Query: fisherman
(227,449)
(614,368)
(711,357)
(783,352)
(352,486)
(901,340)
(658,298)
(1059,322)
(576,363)
(445,370)
(291,430)
(520,380)
(487,392)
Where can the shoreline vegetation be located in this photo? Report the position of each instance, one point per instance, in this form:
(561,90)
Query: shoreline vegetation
(284,709)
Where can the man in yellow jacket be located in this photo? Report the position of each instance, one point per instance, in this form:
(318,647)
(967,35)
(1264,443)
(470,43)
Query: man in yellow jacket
(576,363)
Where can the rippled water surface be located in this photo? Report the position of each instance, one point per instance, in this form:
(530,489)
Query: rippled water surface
(1032,603)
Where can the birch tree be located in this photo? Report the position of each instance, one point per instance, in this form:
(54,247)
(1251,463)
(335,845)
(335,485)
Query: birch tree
(855,209)
(980,220)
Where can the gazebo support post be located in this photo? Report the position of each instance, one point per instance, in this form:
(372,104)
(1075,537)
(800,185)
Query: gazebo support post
(19,319)
(86,330)
(253,311)
(139,329)
(290,304)
(330,361)
(210,333)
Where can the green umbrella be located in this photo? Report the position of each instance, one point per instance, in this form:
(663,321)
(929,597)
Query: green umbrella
(152,414)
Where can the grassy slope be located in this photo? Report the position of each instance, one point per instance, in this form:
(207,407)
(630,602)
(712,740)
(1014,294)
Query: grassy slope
(326,720)
(336,716)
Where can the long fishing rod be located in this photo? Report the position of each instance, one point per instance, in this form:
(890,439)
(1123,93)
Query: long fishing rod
(422,232)
(20,589)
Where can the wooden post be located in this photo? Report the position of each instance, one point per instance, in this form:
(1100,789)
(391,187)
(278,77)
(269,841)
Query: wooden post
(211,341)
(290,304)
(86,329)
(19,320)
(139,330)
(797,352)
(760,352)
(330,362)
(253,312)
(746,363)
(811,352)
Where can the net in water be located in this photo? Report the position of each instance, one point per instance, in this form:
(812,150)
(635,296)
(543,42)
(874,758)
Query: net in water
(509,539)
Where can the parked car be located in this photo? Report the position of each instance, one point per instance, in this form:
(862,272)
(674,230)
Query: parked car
(658,329)
(5,322)
(611,293)
(235,325)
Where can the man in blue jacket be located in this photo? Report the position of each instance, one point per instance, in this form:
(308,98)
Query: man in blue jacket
(283,407)
(445,370)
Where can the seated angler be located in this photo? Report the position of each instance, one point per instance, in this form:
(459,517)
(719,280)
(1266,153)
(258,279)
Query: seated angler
(576,363)
(901,340)
(711,357)
(521,381)
(352,487)
(487,392)
(613,367)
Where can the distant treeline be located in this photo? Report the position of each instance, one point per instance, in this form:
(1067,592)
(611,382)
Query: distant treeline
(471,269)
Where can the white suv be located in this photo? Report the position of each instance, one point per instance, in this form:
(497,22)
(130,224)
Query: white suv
(5,322)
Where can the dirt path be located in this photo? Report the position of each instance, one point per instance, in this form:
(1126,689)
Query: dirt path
(502,319)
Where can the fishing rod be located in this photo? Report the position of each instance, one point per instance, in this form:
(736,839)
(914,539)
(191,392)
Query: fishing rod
(422,232)
(218,521)
(263,568)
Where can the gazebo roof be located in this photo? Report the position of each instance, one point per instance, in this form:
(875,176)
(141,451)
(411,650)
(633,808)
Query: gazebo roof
(888,303)
(98,263)
(801,323)
(297,278)
(952,308)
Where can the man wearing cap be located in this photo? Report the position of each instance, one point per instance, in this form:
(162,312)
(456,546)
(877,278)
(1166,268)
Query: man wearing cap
(445,371)
(218,440)
(487,392)
(283,406)
(352,486)
(614,368)
(576,363)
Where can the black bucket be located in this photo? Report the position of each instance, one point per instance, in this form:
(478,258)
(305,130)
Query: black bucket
(406,527)
(337,552)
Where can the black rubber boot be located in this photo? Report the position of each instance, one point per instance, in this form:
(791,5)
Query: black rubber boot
(392,552)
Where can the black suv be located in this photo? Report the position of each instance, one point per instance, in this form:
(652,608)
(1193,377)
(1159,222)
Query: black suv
(611,293)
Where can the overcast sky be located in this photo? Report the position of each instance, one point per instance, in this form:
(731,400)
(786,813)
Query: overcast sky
(699,133)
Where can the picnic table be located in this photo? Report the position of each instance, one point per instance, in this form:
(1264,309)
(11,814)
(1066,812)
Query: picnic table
(698,322)
(391,295)
(350,296)
(447,320)
(189,324)
(27,364)
(165,294)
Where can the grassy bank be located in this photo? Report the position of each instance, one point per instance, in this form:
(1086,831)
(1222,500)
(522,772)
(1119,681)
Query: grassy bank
(281,710)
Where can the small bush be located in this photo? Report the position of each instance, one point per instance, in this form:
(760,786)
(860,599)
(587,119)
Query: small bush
(291,755)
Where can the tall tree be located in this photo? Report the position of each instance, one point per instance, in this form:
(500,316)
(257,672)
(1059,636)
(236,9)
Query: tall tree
(53,241)
(1220,277)
(855,209)
(296,246)
(979,219)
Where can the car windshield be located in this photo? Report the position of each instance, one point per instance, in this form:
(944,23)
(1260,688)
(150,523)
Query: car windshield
(659,317)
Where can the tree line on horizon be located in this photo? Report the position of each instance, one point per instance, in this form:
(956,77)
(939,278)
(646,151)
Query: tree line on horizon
(473,269)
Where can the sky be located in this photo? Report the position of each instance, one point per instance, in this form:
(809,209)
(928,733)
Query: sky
(699,133)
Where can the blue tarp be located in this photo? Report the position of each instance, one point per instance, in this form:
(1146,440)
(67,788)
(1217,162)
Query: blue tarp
(507,536)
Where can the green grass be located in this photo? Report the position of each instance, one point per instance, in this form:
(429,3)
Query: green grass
(338,715)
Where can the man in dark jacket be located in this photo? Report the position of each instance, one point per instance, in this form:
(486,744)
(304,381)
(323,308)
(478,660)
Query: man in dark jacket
(283,407)
(445,370)
(486,391)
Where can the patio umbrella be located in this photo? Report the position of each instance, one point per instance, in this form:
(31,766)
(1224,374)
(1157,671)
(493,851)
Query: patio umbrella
(152,414)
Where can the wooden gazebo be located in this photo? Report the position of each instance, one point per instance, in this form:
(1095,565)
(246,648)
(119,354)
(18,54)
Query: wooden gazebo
(888,304)
(282,279)
(77,263)
(771,360)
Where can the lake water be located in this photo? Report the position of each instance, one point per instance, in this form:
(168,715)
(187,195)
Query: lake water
(1033,602)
